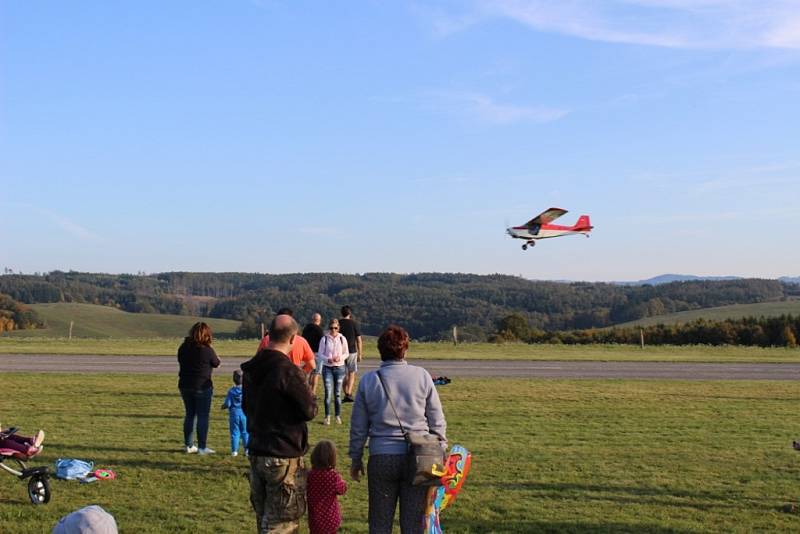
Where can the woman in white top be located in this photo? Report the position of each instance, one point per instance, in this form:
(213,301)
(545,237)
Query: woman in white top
(333,353)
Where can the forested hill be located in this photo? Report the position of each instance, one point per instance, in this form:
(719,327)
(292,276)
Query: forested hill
(428,304)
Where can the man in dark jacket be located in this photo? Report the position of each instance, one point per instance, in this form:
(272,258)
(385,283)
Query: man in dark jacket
(313,334)
(277,402)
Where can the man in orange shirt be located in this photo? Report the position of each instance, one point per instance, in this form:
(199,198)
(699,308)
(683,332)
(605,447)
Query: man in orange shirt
(300,354)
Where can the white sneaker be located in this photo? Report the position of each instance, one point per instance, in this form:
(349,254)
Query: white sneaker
(205,451)
(338,420)
(191,450)
(327,420)
(235,453)
(38,439)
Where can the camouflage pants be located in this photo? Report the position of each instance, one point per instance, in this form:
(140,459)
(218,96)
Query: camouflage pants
(277,493)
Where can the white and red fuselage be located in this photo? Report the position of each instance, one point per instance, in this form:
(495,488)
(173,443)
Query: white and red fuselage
(540,228)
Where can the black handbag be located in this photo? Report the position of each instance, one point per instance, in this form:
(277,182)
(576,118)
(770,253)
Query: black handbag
(425,451)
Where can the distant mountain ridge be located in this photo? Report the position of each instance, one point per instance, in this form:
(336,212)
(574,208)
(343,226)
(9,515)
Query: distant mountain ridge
(669,278)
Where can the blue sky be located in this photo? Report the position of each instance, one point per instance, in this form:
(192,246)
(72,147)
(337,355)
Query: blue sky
(296,136)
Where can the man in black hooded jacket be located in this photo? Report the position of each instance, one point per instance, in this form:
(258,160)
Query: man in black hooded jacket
(278,403)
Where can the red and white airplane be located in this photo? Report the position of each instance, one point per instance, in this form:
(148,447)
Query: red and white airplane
(540,228)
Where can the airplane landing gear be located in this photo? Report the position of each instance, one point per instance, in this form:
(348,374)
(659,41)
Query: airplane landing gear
(529,243)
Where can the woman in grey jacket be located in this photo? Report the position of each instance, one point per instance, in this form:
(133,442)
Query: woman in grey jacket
(420,410)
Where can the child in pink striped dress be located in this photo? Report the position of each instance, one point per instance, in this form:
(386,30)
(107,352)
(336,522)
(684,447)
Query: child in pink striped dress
(324,484)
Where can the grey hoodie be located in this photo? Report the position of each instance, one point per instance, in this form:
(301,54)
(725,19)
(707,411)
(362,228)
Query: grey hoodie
(415,398)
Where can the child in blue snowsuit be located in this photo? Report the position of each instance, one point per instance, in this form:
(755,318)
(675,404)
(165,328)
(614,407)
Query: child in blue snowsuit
(237,422)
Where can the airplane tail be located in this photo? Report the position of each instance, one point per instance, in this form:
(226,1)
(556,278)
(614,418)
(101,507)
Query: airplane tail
(583,224)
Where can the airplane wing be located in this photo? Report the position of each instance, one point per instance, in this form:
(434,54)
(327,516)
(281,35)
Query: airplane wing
(546,217)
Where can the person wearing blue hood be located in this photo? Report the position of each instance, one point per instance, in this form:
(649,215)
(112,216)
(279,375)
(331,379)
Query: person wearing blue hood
(237,421)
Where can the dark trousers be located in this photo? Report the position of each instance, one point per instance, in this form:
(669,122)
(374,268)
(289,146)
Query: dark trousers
(387,479)
(198,405)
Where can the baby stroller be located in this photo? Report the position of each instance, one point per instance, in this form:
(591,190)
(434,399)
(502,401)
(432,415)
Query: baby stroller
(13,461)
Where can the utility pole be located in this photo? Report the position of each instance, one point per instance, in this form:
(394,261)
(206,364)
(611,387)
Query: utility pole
(641,337)
(71,323)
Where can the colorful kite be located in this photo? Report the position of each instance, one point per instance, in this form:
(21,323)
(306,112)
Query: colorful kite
(452,475)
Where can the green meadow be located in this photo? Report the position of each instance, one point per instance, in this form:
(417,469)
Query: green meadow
(548,455)
(720,313)
(92,321)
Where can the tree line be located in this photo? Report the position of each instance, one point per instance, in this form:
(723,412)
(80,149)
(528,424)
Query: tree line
(15,316)
(427,304)
(781,331)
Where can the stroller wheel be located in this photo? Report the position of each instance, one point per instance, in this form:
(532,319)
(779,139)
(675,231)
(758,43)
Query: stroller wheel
(39,489)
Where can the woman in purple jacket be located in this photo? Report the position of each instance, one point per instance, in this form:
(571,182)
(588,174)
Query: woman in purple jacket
(197,359)
(418,407)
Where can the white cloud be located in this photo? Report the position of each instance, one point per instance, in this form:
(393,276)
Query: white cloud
(445,22)
(68,225)
(713,24)
(487,109)
(760,216)
(320,231)
(744,182)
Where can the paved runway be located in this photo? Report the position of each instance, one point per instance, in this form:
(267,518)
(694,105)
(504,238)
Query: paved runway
(450,368)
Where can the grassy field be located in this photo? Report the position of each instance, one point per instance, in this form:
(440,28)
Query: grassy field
(735,311)
(554,456)
(92,321)
(472,351)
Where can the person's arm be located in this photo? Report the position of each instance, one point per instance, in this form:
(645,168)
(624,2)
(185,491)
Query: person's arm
(359,430)
(308,357)
(296,388)
(343,350)
(359,345)
(181,354)
(322,352)
(215,361)
(245,392)
(433,410)
(227,402)
(263,344)
(341,486)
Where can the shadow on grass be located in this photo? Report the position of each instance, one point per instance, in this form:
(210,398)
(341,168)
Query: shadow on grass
(105,449)
(711,396)
(700,500)
(137,416)
(16,497)
(176,394)
(119,465)
(529,526)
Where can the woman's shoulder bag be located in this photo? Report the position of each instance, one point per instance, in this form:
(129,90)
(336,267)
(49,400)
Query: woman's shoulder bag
(425,450)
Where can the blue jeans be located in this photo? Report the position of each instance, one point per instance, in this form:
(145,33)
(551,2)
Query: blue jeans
(331,376)
(237,424)
(198,405)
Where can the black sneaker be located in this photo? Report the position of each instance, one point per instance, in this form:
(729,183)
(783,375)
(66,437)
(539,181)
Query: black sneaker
(347,398)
